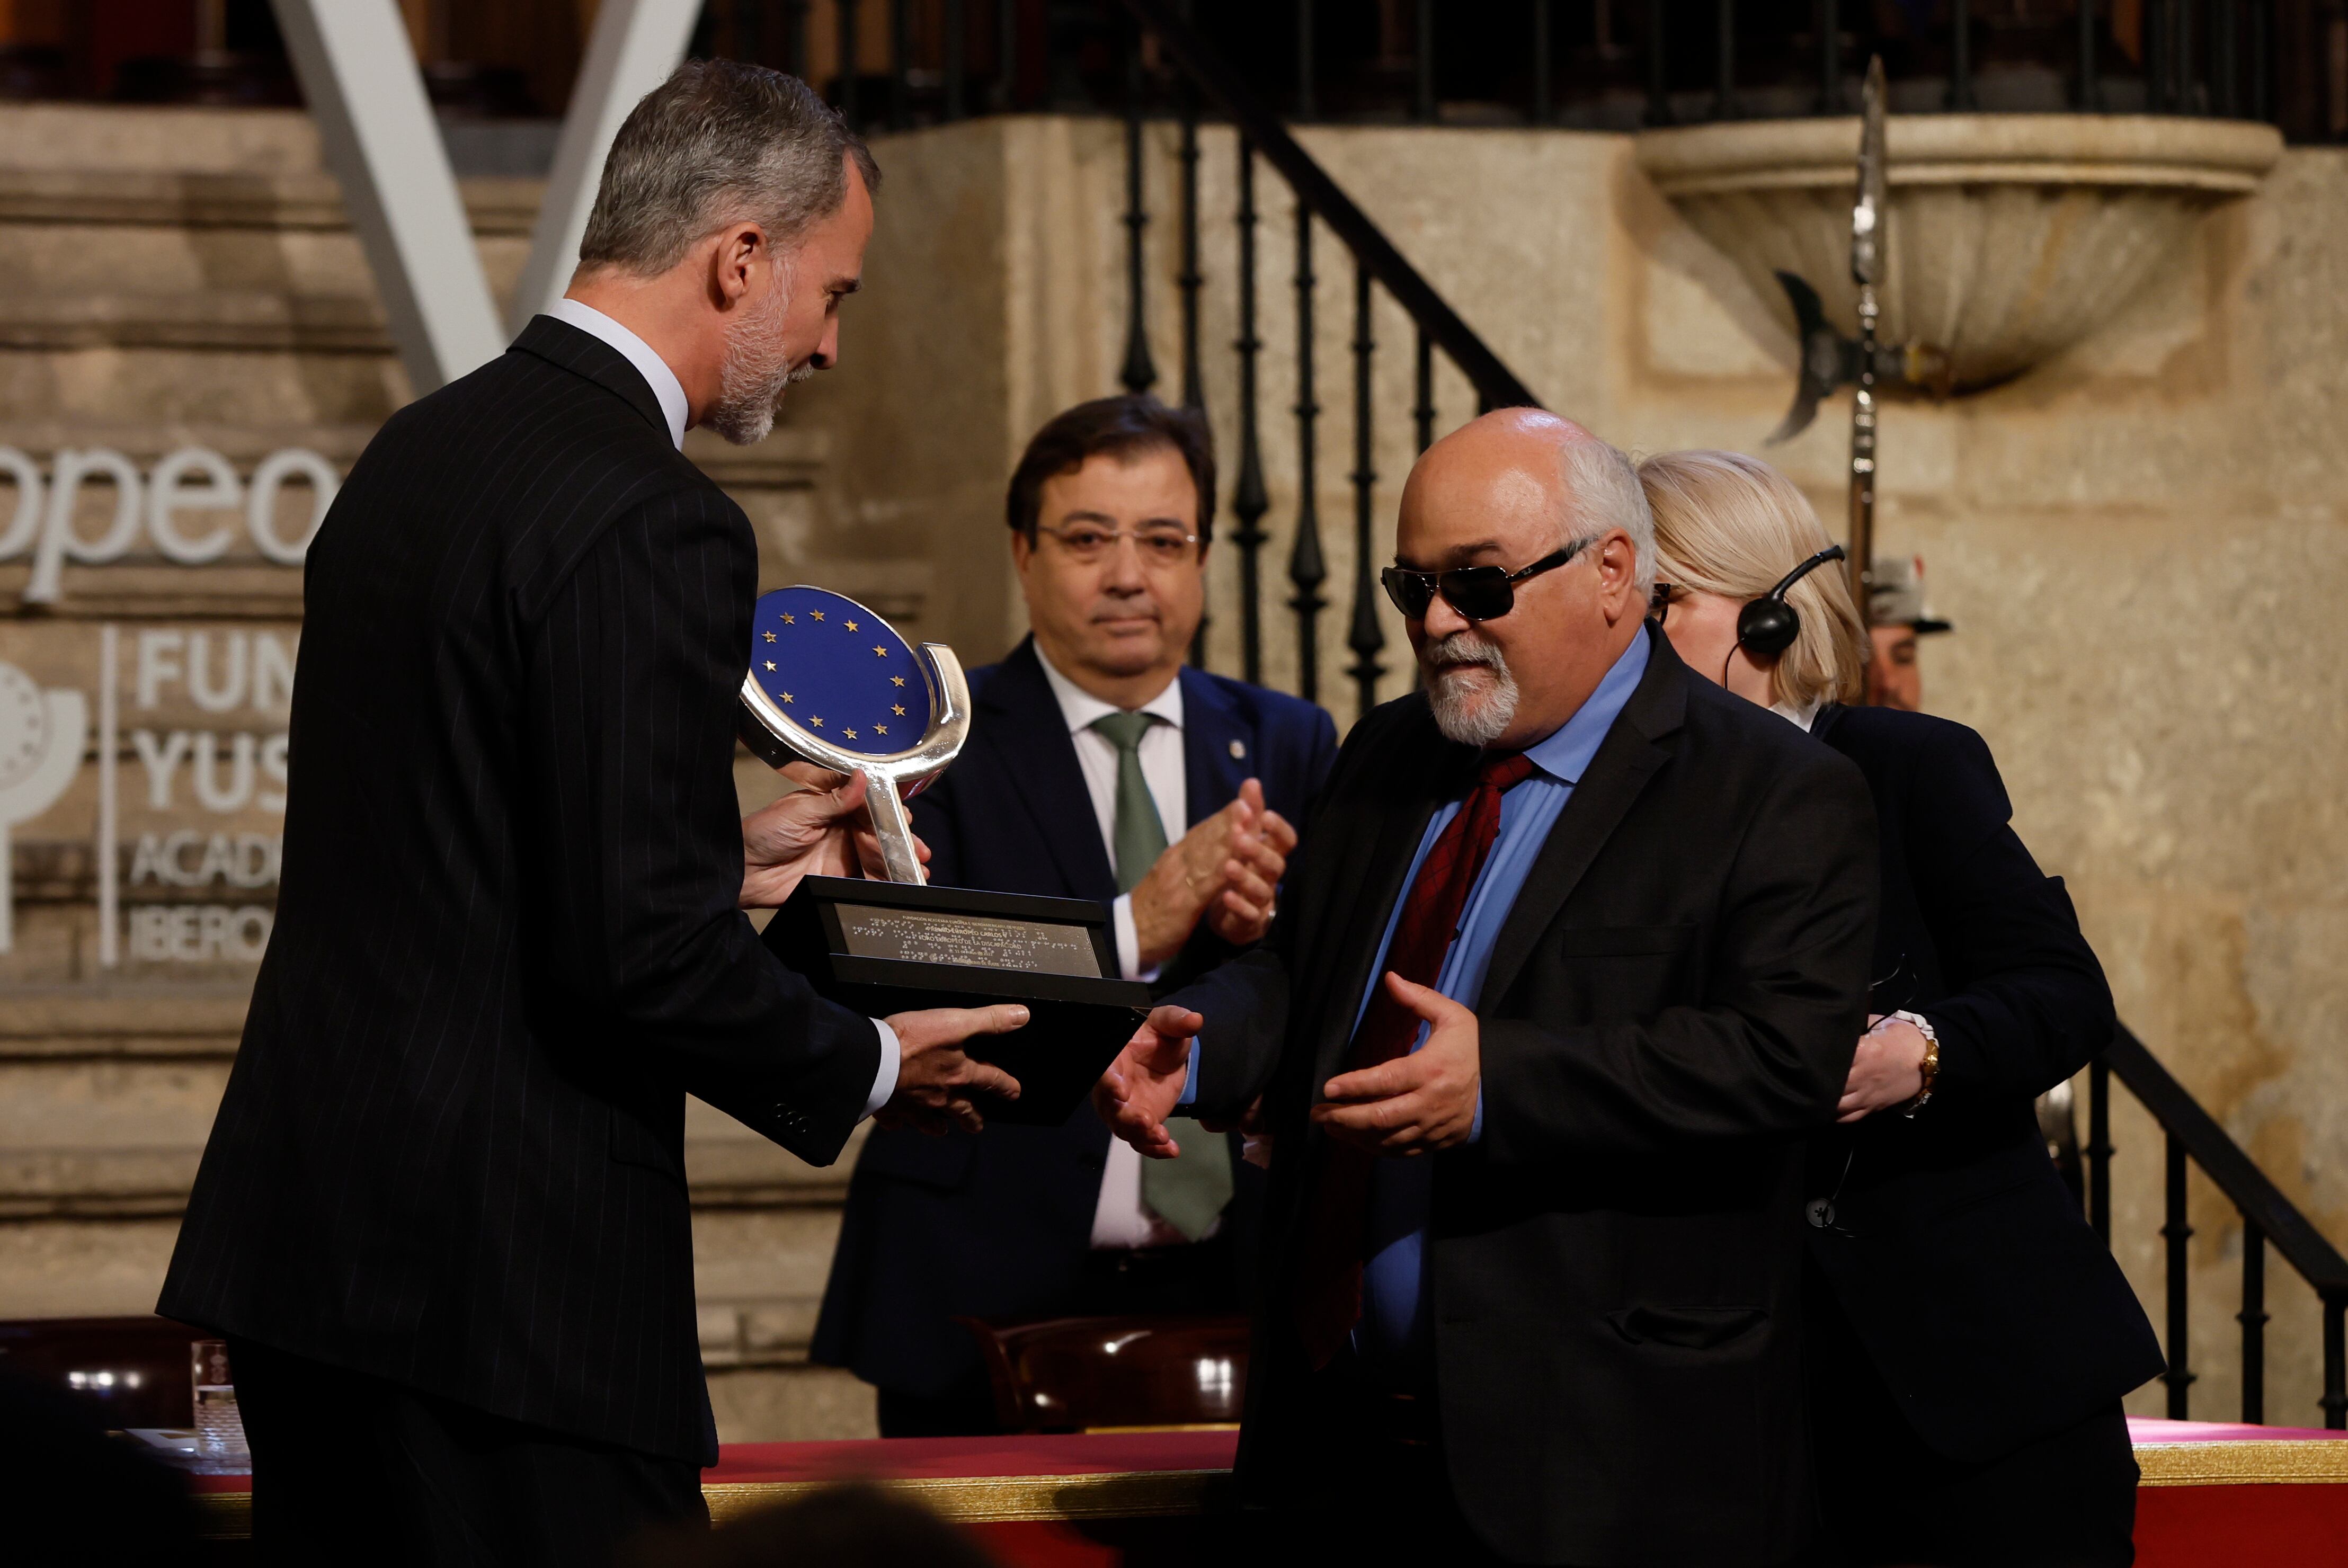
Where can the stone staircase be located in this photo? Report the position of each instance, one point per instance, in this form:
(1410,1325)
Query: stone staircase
(186,278)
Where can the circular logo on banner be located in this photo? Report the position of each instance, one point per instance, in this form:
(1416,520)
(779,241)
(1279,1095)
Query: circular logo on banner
(837,669)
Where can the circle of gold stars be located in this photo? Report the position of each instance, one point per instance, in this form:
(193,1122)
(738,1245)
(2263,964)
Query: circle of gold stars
(878,651)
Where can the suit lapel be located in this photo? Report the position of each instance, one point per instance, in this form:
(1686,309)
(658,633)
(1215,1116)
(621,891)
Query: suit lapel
(1024,720)
(1626,760)
(1211,724)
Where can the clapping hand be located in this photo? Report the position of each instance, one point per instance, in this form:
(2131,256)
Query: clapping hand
(821,829)
(1223,872)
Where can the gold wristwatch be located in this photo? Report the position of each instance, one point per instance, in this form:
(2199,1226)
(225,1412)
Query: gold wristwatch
(1930,1067)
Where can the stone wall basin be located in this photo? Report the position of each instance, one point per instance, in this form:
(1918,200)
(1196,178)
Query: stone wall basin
(2011,236)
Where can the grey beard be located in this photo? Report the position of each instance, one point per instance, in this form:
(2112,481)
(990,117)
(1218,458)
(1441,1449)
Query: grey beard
(1465,718)
(756,373)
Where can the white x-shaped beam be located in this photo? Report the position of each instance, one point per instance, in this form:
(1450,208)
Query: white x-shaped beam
(358,72)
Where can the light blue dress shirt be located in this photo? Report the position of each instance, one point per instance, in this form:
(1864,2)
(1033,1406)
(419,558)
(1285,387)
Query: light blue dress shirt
(1393,1329)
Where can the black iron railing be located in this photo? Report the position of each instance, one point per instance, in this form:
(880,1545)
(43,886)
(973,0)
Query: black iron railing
(2191,1136)
(1610,64)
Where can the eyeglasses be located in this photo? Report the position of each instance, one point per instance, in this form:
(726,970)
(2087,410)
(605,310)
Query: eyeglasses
(1165,546)
(1478,593)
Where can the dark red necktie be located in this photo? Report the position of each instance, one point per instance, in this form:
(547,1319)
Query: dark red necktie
(1329,1278)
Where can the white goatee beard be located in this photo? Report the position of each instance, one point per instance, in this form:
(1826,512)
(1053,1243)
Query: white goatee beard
(757,370)
(1466,715)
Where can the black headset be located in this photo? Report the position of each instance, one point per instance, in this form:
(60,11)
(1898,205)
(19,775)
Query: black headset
(1767,626)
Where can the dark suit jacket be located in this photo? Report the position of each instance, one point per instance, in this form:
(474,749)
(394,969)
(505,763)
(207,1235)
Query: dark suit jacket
(451,1152)
(1987,1304)
(1670,1006)
(997,1226)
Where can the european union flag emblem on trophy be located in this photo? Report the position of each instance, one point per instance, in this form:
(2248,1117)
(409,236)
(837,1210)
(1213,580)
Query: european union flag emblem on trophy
(831,683)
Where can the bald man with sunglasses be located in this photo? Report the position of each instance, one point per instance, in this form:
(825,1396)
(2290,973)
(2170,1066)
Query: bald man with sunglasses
(1566,967)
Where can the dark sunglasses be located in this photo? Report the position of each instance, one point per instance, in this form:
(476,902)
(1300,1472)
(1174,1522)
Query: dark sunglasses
(1477,592)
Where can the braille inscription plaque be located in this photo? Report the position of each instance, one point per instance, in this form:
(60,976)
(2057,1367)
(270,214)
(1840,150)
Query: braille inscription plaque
(975,941)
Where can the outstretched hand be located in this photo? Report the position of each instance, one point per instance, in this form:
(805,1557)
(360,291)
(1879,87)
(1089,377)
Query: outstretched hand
(1425,1101)
(937,1080)
(1144,1085)
(821,829)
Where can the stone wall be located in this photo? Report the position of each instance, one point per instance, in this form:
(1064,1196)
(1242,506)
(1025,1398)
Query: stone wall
(2138,545)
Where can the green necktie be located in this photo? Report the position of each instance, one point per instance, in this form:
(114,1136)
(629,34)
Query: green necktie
(1186,1193)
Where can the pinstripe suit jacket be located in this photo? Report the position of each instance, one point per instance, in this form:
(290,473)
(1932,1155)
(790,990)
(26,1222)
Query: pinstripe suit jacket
(451,1152)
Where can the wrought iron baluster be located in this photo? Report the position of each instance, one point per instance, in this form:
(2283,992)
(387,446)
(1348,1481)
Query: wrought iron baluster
(1191,279)
(1542,111)
(1829,56)
(1724,91)
(1960,56)
(2335,1363)
(1422,411)
(2253,1319)
(1305,106)
(1366,637)
(1140,373)
(1249,500)
(2178,1233)
(1422,98)
(2100,1149)
(2261,60)
(2090,97)
(1306,569)
(849,109)
(1659,93)
(2156,55)
(2224,69)
(1006,50)
(957,25)
(795,37)
(901,47)
(2183,93)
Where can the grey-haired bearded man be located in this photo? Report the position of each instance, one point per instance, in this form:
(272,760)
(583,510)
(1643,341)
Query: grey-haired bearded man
(442,1218)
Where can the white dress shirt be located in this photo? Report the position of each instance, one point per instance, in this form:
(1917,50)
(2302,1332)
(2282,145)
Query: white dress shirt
(1120,1219)
(666,389)
(669,392)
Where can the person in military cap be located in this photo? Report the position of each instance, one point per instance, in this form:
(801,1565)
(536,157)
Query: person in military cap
(1897,616)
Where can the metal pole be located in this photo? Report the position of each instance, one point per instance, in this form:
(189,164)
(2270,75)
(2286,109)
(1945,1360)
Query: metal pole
(1140,372)
(1422,410)
(1659,97)
(1724,95)
(1868,218)
(2335,1364)
(1366,637)
(2178,1233)
(1960,56)
(2253,1319)
(1306,569)
(2090,97)
(1249,500)
(1305,106)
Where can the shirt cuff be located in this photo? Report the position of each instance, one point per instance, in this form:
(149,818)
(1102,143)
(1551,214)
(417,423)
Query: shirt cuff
(1476,1127)
(884,1083)
(1190,1079)
(1128,941)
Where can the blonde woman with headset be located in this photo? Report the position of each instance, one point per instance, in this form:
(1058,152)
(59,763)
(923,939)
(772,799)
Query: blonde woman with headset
(1967,1338)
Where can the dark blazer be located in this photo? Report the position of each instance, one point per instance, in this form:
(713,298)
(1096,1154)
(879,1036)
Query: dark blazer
(451,1152)
(1616,1265)
(1991,1310)
(997,1226)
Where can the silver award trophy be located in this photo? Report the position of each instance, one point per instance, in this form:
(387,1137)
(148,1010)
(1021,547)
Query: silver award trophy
(833,684)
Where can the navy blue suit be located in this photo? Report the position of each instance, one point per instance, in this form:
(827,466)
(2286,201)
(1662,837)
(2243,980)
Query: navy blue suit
(999,1225)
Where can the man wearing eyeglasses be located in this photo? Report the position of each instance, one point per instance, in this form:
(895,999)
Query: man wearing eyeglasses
(1567,968)
(1099,767)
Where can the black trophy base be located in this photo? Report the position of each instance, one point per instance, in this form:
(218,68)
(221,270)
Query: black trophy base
(892,947)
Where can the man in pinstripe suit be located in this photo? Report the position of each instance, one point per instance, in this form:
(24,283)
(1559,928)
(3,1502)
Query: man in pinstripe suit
(443,1214)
